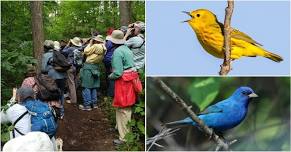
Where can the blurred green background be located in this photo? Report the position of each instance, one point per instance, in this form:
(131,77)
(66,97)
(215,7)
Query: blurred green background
(266,126)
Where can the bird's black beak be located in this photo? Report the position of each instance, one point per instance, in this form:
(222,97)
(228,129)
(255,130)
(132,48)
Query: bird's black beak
(253,95)
(188,13)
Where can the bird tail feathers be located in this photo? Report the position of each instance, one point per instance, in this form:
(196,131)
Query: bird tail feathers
(186,121)
(273,56)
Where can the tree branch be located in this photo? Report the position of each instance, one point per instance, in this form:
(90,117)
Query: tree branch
(225,67)
(220,142)
(162,134)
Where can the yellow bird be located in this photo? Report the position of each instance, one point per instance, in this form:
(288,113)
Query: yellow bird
(210,35)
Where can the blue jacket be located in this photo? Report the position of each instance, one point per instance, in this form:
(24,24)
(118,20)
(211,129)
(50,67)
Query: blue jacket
(68,52)
(48,68)
(108,56)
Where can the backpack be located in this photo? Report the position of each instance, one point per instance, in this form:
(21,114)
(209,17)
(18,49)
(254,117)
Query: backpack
(47,88)
(60,62)
(42,118)
(78,58)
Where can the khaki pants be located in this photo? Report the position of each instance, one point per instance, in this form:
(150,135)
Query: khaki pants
(71,85)
(123,116)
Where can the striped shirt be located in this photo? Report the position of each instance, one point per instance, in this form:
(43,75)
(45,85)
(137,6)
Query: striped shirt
(137,46)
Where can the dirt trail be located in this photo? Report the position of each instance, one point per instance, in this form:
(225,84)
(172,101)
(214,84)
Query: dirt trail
(85,130)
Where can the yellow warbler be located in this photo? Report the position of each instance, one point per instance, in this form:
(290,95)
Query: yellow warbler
(210,35)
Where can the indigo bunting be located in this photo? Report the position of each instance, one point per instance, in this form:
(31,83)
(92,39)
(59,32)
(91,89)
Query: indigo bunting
(225,114)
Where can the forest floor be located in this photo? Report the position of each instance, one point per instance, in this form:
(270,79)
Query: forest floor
(86,130)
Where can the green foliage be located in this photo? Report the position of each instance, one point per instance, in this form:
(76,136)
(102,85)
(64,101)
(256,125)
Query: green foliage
(13,68)
(5,128)
(110,111)
(80,18)
(203,91)
(5,135)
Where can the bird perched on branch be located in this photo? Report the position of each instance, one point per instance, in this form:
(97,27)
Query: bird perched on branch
(225,114)
(209,32)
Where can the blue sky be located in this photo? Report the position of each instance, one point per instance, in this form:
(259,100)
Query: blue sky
(173,49)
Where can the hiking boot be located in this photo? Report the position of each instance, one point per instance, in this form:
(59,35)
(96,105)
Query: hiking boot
(68,101)
(95,106)
(81,107)
(66,95)
(118,142)
(61,117)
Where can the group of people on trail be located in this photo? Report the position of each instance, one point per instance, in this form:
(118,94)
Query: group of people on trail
(39,102)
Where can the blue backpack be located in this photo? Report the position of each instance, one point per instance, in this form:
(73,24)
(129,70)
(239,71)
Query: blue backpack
(42,117)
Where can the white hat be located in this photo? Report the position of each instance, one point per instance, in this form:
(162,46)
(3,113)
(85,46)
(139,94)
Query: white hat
(76,41)
(57,45)
(98,38)
(48,44)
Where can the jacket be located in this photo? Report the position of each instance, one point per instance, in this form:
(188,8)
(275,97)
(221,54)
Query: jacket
(90,76)
(46,66)
(122,59)
(109,53)
(68,52)
(94,53)
(137,46)
(124,92)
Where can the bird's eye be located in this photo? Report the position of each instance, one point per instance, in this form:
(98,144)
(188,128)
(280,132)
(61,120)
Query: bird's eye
(198,15)
(244,93)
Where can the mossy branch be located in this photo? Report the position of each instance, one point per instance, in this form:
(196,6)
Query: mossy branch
(226,67)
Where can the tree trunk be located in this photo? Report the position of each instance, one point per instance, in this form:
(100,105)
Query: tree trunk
(37,30)
(125,12)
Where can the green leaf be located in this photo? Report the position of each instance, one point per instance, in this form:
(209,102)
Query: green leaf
(129,137)
(138,109)
(140,126)
(203,91)
(5,136)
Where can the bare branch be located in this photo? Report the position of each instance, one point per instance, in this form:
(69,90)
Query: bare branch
(225,67)
(162,134)
(220,142)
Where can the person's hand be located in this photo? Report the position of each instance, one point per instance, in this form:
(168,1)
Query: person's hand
(69,44)
(129,31)
(131,25)
(14,92)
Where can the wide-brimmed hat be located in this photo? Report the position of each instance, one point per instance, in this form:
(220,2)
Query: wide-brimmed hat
(98,38)
(117,37)
(48,44)
(140,25)
(76,41)
(24,93)
(85,40)
(107,37)
(57,45)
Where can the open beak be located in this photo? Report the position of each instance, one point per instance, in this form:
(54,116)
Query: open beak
(253,95)
(188,13)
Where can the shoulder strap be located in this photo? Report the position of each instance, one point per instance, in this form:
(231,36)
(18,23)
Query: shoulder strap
(34,83)
(18,132)
(15,122)
(139,46)
(20,117)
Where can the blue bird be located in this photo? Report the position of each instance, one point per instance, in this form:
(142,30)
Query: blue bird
(225,114)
